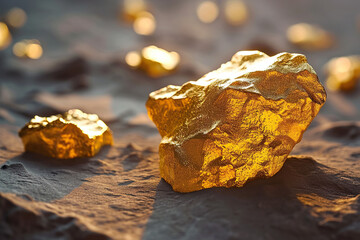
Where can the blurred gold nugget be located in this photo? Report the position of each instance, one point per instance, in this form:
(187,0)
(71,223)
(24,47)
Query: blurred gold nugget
(69,135)
(343,73)
(309,37)
(28,49)
(5,36)
(236,123)
(154,61)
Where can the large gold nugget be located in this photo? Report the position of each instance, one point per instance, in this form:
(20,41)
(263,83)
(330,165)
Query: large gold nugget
(69,135)
(236,123)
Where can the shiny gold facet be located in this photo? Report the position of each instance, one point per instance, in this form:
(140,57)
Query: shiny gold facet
(69,135)
(343,73)
(236,123)
(309,37)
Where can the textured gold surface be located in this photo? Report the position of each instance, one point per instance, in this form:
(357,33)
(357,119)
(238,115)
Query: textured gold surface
(236,123)
(343,73)
(69,135)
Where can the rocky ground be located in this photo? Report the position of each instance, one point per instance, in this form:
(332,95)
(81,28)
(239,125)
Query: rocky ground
(118,194)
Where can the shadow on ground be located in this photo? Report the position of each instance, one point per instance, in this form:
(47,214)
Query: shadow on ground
(47,179)
(305,200)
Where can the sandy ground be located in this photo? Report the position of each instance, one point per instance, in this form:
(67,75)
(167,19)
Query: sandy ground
(118,194)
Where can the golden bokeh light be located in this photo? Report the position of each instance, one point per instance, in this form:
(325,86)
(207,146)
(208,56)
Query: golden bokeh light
(133,59)
(144,24)
(28,49)
(16,17)
(19,49)
(5,36)
(309,37)
(34,50)
(236,12)
(132,8)
(207,11)
(343,73)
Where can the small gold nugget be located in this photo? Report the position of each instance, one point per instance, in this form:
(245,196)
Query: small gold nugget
(236,123)
(154,61)
(69,135)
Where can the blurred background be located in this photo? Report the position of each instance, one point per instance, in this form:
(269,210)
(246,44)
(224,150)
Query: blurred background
(105,57)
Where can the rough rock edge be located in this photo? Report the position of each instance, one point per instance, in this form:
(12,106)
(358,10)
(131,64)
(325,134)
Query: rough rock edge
(281,63)
(22,218)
